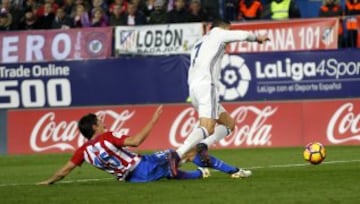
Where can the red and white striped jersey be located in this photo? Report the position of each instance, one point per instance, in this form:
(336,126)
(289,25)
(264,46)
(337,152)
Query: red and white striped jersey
(107,152)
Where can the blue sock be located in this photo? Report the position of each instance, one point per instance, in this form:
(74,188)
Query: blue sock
(196,174)
(216,164)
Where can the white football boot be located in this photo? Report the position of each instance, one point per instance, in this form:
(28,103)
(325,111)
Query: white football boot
(205,172)
(242,173)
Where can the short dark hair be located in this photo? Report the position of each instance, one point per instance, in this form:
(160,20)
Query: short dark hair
(86,123)
(220,22)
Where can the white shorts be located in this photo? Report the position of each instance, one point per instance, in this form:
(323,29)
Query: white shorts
(205,99)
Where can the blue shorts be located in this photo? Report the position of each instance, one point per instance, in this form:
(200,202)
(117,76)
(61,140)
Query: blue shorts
(152,167)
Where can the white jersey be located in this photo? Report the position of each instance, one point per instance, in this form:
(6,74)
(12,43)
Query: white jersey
(207,54)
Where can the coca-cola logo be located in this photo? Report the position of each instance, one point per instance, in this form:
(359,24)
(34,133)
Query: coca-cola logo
(48,133)
(251,127)
(344,125)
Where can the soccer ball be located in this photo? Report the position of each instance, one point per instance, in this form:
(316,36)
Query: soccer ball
(314,153)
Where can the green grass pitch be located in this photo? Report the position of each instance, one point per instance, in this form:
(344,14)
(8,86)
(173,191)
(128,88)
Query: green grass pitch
(280,175)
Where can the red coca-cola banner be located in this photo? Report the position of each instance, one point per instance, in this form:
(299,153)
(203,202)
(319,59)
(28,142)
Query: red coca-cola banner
(332,122)
(54,45)
(267,124)
(290,35)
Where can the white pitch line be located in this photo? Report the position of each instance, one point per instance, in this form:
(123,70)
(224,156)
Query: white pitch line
(68,181)
(302,164)
(86,180)
(254,167)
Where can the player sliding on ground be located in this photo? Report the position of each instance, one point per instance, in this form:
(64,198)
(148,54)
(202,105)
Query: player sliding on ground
(107,151)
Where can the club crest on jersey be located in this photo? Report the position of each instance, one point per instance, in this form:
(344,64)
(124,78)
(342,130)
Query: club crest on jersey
(235,78)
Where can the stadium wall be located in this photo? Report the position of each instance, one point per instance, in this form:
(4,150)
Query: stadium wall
(279,99)
(258,124)
(163,79)
(46,93)
(3,131)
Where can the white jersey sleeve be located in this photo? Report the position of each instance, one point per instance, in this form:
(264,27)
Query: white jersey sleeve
(226,36)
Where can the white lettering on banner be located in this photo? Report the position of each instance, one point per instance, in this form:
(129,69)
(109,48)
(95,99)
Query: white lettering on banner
(309,37)
(36,71)
(344,123)
(59,39)
(297,71)
(34,48)
(50,70)
(77,54)
(18,72)
(32,93)
(250,132)
(281,39)
(118,119)
(286,69)
(34,43)
(48,134)
(10,46)
(286,37)
(254,132)
(46,130)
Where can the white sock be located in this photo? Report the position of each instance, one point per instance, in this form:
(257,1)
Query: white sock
(220,132)
(193,139)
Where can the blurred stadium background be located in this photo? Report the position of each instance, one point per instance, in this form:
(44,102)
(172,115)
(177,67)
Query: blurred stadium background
(300,87)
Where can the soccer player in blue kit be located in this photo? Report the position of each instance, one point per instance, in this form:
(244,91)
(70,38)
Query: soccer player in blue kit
(108,151)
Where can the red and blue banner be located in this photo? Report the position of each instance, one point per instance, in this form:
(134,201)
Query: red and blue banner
(55,45)
(163,79)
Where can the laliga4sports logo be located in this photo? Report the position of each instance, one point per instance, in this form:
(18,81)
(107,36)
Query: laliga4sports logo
(235,78)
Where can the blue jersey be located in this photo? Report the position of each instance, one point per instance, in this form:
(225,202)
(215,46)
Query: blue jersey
(152,167)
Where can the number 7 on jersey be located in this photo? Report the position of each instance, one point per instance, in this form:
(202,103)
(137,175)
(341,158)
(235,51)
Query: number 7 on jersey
(196,50)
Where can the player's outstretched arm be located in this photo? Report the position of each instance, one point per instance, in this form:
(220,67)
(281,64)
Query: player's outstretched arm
(60,174)
(227,36)
(137,139)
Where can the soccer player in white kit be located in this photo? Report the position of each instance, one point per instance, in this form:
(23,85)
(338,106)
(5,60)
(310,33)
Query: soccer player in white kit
(203,81)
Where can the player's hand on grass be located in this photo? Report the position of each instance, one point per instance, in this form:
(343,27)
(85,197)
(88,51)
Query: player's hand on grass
(157,114)
(262,38)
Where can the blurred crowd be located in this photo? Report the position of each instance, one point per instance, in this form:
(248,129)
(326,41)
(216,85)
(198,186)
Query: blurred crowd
(64,14)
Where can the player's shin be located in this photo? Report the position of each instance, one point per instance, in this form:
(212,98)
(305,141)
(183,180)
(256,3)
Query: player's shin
(215,163)
(194,138)
(189,174)
(220,132)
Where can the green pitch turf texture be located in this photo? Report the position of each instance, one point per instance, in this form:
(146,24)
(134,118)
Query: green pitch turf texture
(279,176)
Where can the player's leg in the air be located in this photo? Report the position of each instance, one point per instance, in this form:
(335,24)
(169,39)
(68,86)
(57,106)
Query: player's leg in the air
(203,99)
